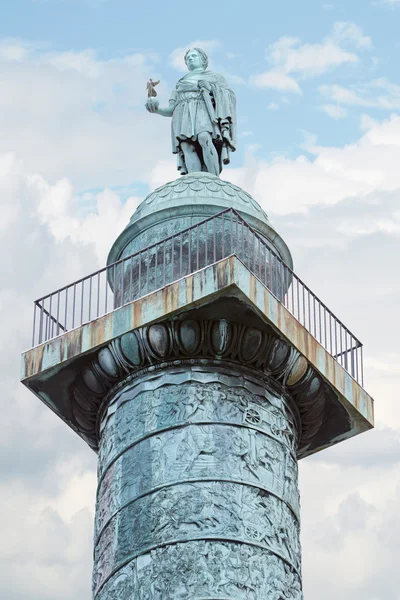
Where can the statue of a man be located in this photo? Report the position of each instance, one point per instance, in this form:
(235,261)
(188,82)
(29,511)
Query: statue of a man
(203,111)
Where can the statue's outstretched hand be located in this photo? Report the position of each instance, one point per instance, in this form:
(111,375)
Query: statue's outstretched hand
(152,105)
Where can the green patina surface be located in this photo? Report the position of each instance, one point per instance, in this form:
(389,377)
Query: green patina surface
(229,277)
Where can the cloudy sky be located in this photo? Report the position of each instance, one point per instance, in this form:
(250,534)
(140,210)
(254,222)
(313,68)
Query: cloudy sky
(318,90)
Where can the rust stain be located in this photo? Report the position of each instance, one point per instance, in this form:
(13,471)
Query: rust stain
(169,299)
(339,376)
(232,268)
(33,361)
(253,289)
(100,328)
(74,342)
(189,289)
(265,302)
(176,295)
(279,317)
(137,314)
(222,274)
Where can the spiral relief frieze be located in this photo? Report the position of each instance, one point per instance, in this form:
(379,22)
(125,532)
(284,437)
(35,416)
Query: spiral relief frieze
(201,457)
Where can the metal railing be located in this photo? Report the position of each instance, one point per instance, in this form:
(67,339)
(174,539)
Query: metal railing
(181,254)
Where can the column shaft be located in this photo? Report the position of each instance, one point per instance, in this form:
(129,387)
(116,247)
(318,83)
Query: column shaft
(198,495)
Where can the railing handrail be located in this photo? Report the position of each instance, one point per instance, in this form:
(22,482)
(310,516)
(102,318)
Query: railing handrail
(323,324)
(183,231)
(138,252)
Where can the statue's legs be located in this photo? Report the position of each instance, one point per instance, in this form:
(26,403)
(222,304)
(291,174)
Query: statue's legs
(192,159)
(210,154)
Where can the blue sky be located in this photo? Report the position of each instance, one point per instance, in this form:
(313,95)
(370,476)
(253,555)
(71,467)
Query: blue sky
(318,89)
(243,34)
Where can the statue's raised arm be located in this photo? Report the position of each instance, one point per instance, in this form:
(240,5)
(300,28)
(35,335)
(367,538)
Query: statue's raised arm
(203,111)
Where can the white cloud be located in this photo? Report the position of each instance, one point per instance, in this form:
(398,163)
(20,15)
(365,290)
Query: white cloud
(334,111)
(366,122)
(79,116)
(47,475)
(81,62)
(351,33)
(378,93)
(275,80)
(288,57)
(14,50)
(308,60)
(367,166)
(351,528)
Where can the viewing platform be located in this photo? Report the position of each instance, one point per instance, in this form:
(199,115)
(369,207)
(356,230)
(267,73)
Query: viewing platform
(217,257)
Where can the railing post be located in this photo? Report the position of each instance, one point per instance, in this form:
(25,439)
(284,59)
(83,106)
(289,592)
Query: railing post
(34,324)
(82,296)
(148,271)
(58,313)
(164,262)
(180,255)
(66,309)
(122,267)
(140,274)
(49,329)
(90,295)
(172,258)
(189,251)
(223,237)
(155,267)
(214,241)
(131,280)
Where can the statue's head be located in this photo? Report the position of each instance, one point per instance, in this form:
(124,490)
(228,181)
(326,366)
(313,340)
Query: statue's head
(196,58)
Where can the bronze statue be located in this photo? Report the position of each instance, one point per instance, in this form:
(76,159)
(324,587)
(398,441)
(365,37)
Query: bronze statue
(151,92)
(203,111)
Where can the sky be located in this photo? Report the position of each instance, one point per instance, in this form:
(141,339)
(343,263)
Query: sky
(318,90)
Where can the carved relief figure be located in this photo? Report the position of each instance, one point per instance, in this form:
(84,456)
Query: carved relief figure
(205,569)
(203,111)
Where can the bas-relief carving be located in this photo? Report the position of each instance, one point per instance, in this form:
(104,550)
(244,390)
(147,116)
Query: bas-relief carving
(167,428)
(198,452)
(235,349)
(204,570)
(197,511)
(141,412)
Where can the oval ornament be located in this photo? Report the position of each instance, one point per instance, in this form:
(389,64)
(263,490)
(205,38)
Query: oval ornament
(130,348)
(190,336)
(251,342)
(278,355)
(221,336)
(91,381)
(158,339)
(297,371)
(107,362)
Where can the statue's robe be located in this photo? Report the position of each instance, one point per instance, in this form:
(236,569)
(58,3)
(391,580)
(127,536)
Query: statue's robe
(198,111)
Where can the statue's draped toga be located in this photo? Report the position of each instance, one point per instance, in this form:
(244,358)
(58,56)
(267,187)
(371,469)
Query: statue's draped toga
(200,110)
